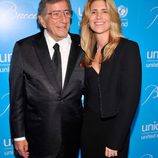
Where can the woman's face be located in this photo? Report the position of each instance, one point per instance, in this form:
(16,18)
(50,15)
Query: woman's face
(99,18)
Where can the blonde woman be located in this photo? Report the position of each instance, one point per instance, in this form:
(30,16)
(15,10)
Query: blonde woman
(112,82)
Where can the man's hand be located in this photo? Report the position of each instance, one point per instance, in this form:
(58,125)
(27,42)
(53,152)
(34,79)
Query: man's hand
(110,153)
(22,148)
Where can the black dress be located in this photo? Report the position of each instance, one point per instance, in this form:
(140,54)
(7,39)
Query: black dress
(96,131)
(111,101)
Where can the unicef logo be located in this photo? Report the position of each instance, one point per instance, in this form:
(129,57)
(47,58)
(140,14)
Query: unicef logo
(4,106)
(123,11)
(147,156)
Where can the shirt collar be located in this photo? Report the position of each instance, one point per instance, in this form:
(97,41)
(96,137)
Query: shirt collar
(51,41)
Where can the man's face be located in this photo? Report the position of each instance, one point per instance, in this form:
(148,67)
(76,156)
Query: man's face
(56,20)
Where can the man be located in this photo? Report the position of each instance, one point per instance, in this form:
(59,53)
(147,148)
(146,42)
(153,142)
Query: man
(46,87)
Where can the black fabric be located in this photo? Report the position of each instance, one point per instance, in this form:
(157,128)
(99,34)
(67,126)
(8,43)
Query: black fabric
(56,61)
(96,133)
(46,116)
(111,100)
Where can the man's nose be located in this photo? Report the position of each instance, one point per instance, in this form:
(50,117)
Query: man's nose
(63,17)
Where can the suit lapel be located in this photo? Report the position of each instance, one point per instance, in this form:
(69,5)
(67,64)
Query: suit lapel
(74,53)
(42,52)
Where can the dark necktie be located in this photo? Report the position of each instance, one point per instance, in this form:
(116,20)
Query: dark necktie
(57,64)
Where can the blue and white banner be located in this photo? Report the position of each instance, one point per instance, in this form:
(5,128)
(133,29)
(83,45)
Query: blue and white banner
(18,19)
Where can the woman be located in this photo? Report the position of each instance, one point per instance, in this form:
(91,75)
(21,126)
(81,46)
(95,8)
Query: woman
(112,82)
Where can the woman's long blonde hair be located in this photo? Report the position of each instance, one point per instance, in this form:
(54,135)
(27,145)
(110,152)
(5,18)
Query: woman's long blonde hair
(87,36)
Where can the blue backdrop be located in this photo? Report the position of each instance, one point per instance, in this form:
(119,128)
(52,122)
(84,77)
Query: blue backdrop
(139,23)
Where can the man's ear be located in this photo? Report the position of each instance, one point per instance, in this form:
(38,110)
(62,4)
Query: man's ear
(42,21)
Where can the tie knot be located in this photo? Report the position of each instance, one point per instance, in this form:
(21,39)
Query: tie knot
(56,47)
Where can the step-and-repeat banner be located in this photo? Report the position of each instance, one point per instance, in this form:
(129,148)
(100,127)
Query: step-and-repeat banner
(139,22)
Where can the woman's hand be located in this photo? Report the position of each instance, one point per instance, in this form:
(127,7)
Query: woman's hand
(110,153)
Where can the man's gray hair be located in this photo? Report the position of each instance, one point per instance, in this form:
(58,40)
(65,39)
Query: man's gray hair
(42,5)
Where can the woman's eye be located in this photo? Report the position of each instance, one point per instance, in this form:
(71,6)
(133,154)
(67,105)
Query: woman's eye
(93,12)
(105,11)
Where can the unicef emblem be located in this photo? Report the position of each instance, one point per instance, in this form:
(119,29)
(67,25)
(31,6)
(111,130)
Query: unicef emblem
(4,105)
(123,11)
(147,156)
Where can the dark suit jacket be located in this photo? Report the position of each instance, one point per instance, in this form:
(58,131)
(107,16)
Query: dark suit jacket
(38,111)
(119,84)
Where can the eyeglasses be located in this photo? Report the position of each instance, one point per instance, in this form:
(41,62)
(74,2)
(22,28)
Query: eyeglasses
(56,14)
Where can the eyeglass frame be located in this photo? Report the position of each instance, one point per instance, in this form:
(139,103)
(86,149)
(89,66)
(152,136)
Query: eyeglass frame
(60,12)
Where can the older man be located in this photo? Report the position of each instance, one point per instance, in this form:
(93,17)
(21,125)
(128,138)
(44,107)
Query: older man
(46,82)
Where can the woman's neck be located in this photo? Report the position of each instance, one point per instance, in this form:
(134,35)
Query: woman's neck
(101,41)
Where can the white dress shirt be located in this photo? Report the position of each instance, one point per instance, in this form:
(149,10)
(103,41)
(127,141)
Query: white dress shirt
(64,46)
